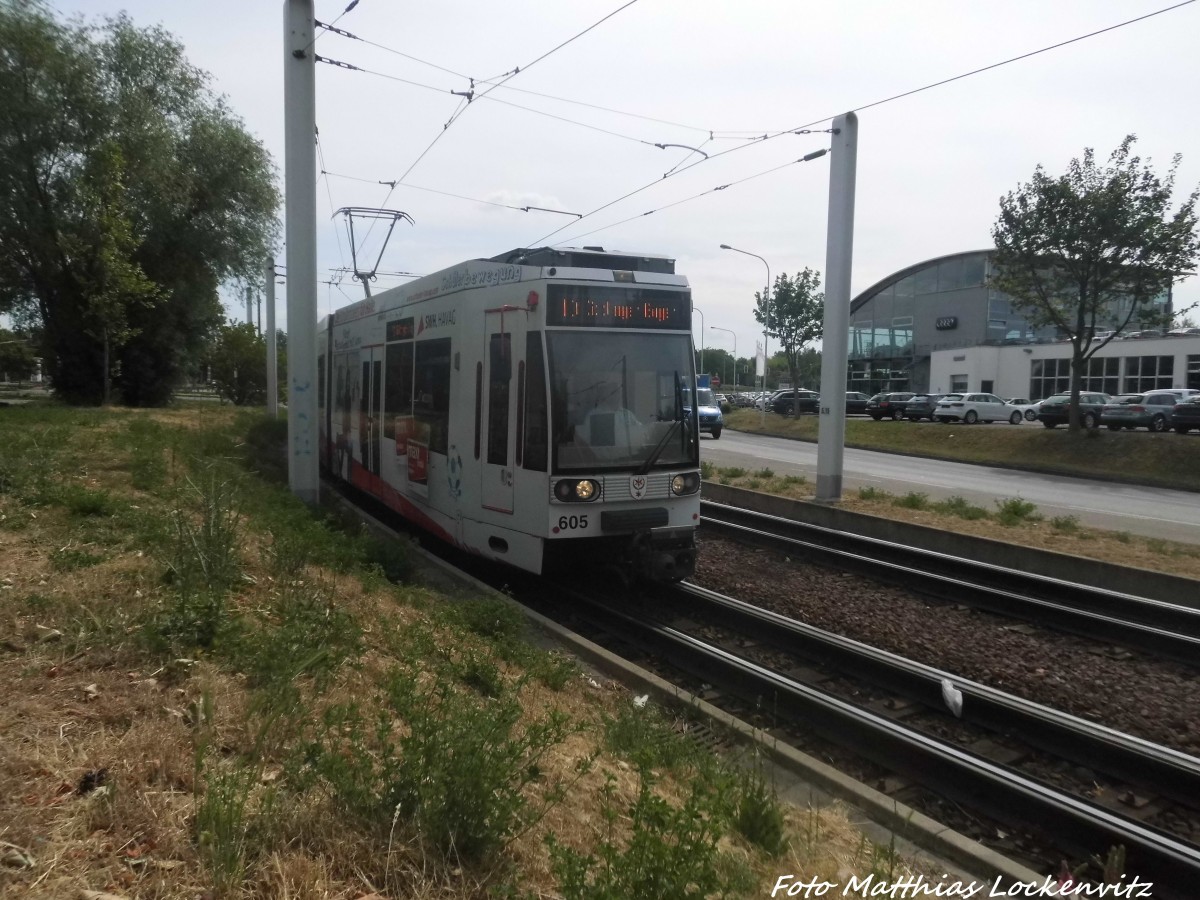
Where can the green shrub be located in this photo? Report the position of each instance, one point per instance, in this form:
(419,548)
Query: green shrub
(1065,524)
(764,473)
(912,500)
(84,501)
(758,815)
(642,734)
(872,493)
(707,470)
(958,506)
(733,472)
(671,851)
(1015,511)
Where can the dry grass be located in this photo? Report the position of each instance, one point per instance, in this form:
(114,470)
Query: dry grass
(99,781)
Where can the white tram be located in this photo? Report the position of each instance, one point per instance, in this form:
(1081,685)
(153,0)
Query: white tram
(532,408)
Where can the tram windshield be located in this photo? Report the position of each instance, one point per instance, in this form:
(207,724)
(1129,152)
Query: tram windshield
(615,399)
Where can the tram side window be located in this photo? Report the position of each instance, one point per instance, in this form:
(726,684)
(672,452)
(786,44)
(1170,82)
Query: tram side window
(431,394)
(500,372)
(535,428)
(397,395)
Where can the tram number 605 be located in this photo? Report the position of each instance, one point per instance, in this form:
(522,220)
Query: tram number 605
(566,523)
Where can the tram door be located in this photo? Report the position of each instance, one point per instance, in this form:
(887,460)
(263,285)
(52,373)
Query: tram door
(496,407)
(370,412)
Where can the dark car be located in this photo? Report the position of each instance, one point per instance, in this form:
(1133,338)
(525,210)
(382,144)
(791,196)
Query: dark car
(889,405)
(856,403)
(1186,415)
(921,407)
(787,402)
(1056,410)
(1151,410)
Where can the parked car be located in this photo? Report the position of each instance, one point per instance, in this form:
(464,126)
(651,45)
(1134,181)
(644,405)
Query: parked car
(972,408)
(856,403)
(1151,410)
(1026,407)
(708,412)
(922,406)
(1056,410)
(888,405)
(1186,415)
(787,402)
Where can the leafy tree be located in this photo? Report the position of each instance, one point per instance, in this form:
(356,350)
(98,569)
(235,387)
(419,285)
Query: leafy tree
(128,194)
(1095,243)
(795,317)
(17,359)
(239,364)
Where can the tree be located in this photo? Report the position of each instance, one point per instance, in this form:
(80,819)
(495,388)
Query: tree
(1092,244)
(795,318)
(239,364)
(17,360)
(128,194)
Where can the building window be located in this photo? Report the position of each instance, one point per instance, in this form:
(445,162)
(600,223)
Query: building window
(1193,372)
(1102,375)
(1048,377)
(958,384)
(1147,373)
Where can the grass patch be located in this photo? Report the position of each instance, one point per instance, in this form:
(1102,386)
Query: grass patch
(912,500)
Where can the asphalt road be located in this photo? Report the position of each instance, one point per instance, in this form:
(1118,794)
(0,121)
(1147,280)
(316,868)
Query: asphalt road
(1146,511)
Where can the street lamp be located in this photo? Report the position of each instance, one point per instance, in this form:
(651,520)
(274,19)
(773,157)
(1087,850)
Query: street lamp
(696,309)
(766,319)
(729,331)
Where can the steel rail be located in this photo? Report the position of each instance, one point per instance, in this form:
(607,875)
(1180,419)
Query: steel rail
(1173,866)
(1162,629)
(1164,770)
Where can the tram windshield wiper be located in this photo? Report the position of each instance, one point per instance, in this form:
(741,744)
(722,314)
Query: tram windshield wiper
(680,420)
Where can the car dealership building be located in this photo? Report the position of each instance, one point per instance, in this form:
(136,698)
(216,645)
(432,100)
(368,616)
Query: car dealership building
(937,326)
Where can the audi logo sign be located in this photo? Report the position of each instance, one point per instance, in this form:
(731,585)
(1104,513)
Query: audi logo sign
(945,323)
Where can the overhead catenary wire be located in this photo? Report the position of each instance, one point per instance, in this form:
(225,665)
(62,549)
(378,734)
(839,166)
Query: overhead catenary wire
(414,187)
(807,125)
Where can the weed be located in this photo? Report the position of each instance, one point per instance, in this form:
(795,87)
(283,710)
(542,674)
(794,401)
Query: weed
(69,558)
(494,620)
(707,470)
(758,815)
(481,674)
(671,851)
(83,501)
(1015,511)
(958,506)
(754,484)
(733,472)
(193,620)
(1065,524)
(872,493)
(1122,537)
(794,480)
(204,554)
(644,735)
(912,500)
(458,775)
(764,473)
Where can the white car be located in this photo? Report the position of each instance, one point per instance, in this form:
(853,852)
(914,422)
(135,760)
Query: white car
(1026,407)
(972,408)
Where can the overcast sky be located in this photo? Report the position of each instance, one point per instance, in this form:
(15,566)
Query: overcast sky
(706,74)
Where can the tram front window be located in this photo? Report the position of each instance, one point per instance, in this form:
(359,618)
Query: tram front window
(615,397)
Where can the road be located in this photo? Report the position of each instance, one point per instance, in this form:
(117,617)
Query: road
(1147,511)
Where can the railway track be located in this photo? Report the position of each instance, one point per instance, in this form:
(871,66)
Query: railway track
(1164,630)
(996,789)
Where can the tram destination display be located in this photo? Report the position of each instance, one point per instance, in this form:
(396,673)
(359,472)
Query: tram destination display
(618,307)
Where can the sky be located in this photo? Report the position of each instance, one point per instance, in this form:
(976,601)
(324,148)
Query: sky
(575,129)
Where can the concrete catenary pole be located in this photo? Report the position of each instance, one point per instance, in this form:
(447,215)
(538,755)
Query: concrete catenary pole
(839,254)
(300,187)
(272,350)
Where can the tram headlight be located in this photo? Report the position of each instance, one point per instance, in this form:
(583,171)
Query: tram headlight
(687,483)
(571,491)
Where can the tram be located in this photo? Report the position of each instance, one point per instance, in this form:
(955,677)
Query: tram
(533,408)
